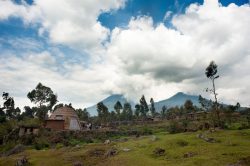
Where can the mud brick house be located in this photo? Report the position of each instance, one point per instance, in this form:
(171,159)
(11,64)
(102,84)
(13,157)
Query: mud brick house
(26,130)
(63,118)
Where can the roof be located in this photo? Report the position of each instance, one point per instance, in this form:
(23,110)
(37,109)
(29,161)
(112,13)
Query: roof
(65,111)
(54,120)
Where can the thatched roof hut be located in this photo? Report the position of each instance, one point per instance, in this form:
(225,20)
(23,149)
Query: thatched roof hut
(64,118)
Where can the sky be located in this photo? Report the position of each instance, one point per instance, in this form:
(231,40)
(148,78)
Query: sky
(87,50)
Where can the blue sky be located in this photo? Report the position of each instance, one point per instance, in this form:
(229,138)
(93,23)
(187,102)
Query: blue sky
(15,28)
(83,47)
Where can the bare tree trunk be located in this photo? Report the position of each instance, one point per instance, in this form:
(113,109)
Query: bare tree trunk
(216,102)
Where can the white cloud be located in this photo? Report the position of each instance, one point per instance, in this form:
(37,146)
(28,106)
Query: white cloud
(142,58)
(167,15)
(203,33)
(79,85)
(73,23)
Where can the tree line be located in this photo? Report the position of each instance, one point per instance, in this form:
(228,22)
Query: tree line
(45,101)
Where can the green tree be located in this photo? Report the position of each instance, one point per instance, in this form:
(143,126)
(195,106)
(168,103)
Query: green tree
(42,95)
(152,107)
(103,113)
(112,116)
(205,104)
(211,73)
(189,105)
(228,111)
(28,112)
(118,107)
(137,110)
(163,111)
(144,107)
(2,115)
(58,106)
(9,107)
(83,114)
(45,99)
(127,112)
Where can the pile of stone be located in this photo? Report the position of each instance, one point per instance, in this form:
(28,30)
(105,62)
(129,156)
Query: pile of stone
(111,152)
(159,151)
(22,161)
(207,139)
(189,154)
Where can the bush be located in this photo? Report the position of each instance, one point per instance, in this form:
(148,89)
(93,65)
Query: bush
(147,131)
(41,143)
(27,139)
(7,146)
(243,126)
(6,128)
(74,142)
(181,143)
(59,146)
(175,127)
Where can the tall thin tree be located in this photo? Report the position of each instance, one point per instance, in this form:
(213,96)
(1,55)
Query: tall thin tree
(211,73)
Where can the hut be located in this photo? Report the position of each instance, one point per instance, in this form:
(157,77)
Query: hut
(63,118)
(28,129)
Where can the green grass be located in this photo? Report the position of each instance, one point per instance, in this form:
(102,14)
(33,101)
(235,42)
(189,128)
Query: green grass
(231,146)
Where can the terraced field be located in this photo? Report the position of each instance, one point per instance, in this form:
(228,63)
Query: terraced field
(184,149)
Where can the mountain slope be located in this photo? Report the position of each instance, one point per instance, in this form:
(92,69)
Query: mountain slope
(110,102)
(177,100)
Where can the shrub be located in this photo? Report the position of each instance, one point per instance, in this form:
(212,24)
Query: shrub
(147,131)
(9,145)
(59,145)
(41,143)
(175,127)
(243,126)
(27,139)
(181,143)
(74,142)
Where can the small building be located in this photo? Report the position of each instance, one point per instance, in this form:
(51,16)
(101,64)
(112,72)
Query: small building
(197,115)
(28,129)
(63,118)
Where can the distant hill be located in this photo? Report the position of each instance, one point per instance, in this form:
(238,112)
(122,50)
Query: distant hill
(177,100)
(110,102)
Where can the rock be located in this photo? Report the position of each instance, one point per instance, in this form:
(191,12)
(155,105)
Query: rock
(77,163)
(200,135)
(210,140)
(96,152)
(159,151)
(123,139)
(153,138)
(111,152)
(17,149)
(22,161)
(189,154)
(107,141)
(126,149)
(242,162)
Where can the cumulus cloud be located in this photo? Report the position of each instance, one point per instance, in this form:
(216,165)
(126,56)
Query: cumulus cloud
(203,33)
(79,85)
(72,23)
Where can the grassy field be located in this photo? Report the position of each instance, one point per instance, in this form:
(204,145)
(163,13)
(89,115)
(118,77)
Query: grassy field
(230,147)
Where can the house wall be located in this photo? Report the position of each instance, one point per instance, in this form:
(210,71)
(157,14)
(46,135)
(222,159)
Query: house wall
(55,125)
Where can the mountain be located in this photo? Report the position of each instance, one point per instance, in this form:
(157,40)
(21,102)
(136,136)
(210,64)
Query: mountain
(110,102)
(177,100)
